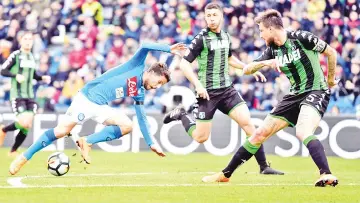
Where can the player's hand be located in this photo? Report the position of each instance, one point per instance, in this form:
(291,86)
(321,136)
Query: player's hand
(202,92)
(273,63)
(155,148)
(20,78)
(46,79)
(333,82)
(178,49)
(258,75)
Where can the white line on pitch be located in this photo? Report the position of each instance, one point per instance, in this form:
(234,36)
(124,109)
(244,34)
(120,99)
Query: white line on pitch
(17,181)
(118,174)
(166,185)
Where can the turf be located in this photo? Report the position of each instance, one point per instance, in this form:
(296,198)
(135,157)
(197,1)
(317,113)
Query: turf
(144,177)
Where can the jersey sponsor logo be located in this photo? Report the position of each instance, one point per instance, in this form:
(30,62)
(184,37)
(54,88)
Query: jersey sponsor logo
(131,87)
(288,58)
(219,44)
(27,63)
(119,92)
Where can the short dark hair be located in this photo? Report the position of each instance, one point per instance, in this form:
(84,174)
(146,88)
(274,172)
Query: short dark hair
(213,5)
(160,69)
(269,18)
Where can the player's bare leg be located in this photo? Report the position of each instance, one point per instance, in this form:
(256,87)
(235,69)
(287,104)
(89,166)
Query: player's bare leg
(24,123)
(241,115)
(116,127)
(270,126)
(49,136)
(2,135)
(308,121)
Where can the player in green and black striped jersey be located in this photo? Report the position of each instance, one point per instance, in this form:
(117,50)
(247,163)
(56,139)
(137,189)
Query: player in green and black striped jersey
(296,55)
(21,67)
(212,49)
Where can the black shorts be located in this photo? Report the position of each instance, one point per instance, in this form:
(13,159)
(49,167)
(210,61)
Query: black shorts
(21,105)
(289,108)
(224,99)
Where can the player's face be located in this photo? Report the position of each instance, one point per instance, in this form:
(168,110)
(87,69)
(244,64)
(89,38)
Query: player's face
(266,34)
(27,41)
(154,81)
(213,18)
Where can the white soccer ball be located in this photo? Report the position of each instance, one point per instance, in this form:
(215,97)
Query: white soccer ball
(58,164)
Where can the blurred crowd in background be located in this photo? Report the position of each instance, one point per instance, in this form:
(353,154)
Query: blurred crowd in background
(77,40)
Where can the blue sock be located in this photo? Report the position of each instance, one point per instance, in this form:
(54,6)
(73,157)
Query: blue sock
(47,138)
(109,133)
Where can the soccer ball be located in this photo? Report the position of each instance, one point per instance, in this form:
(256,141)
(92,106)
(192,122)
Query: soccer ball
(58,164)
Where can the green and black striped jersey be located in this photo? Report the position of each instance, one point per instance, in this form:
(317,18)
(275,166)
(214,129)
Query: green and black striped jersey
(212,51)
(24,64)
(298,59)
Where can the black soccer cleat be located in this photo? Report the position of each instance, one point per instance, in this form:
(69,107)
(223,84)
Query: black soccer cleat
(269,171)
(326,179)
(174,115)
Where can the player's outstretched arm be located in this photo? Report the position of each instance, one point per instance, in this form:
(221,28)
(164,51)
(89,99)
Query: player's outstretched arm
(236,63)
(45,78)
(331,58)
(257,65)
(144,128)
(265,59)
(190,75)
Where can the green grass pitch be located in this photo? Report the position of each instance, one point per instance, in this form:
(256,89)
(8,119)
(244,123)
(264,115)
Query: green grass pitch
(144,177)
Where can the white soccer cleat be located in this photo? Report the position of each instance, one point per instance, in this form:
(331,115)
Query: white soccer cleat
(17,164)
(326,179)
(217,177)
(84,149)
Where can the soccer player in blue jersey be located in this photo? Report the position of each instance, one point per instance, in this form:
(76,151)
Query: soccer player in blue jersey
(126,80)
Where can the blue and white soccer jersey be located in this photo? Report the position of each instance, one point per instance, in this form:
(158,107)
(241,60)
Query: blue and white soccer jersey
(120,82)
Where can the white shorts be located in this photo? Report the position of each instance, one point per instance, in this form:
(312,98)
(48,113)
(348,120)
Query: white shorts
(82,109)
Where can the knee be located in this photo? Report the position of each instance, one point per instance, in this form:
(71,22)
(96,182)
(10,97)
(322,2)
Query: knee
(126,127)
(25,123)
(61,131)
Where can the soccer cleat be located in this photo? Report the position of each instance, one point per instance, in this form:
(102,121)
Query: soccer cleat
(217,177)
(13,154)
(174,115)
(269,171)
(2,135)
(326,179)
(84,149)
(17,164)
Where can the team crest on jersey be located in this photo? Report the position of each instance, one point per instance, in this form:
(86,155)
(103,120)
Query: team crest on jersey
(81,117)
(132,90)
(201,115)
(119,92)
